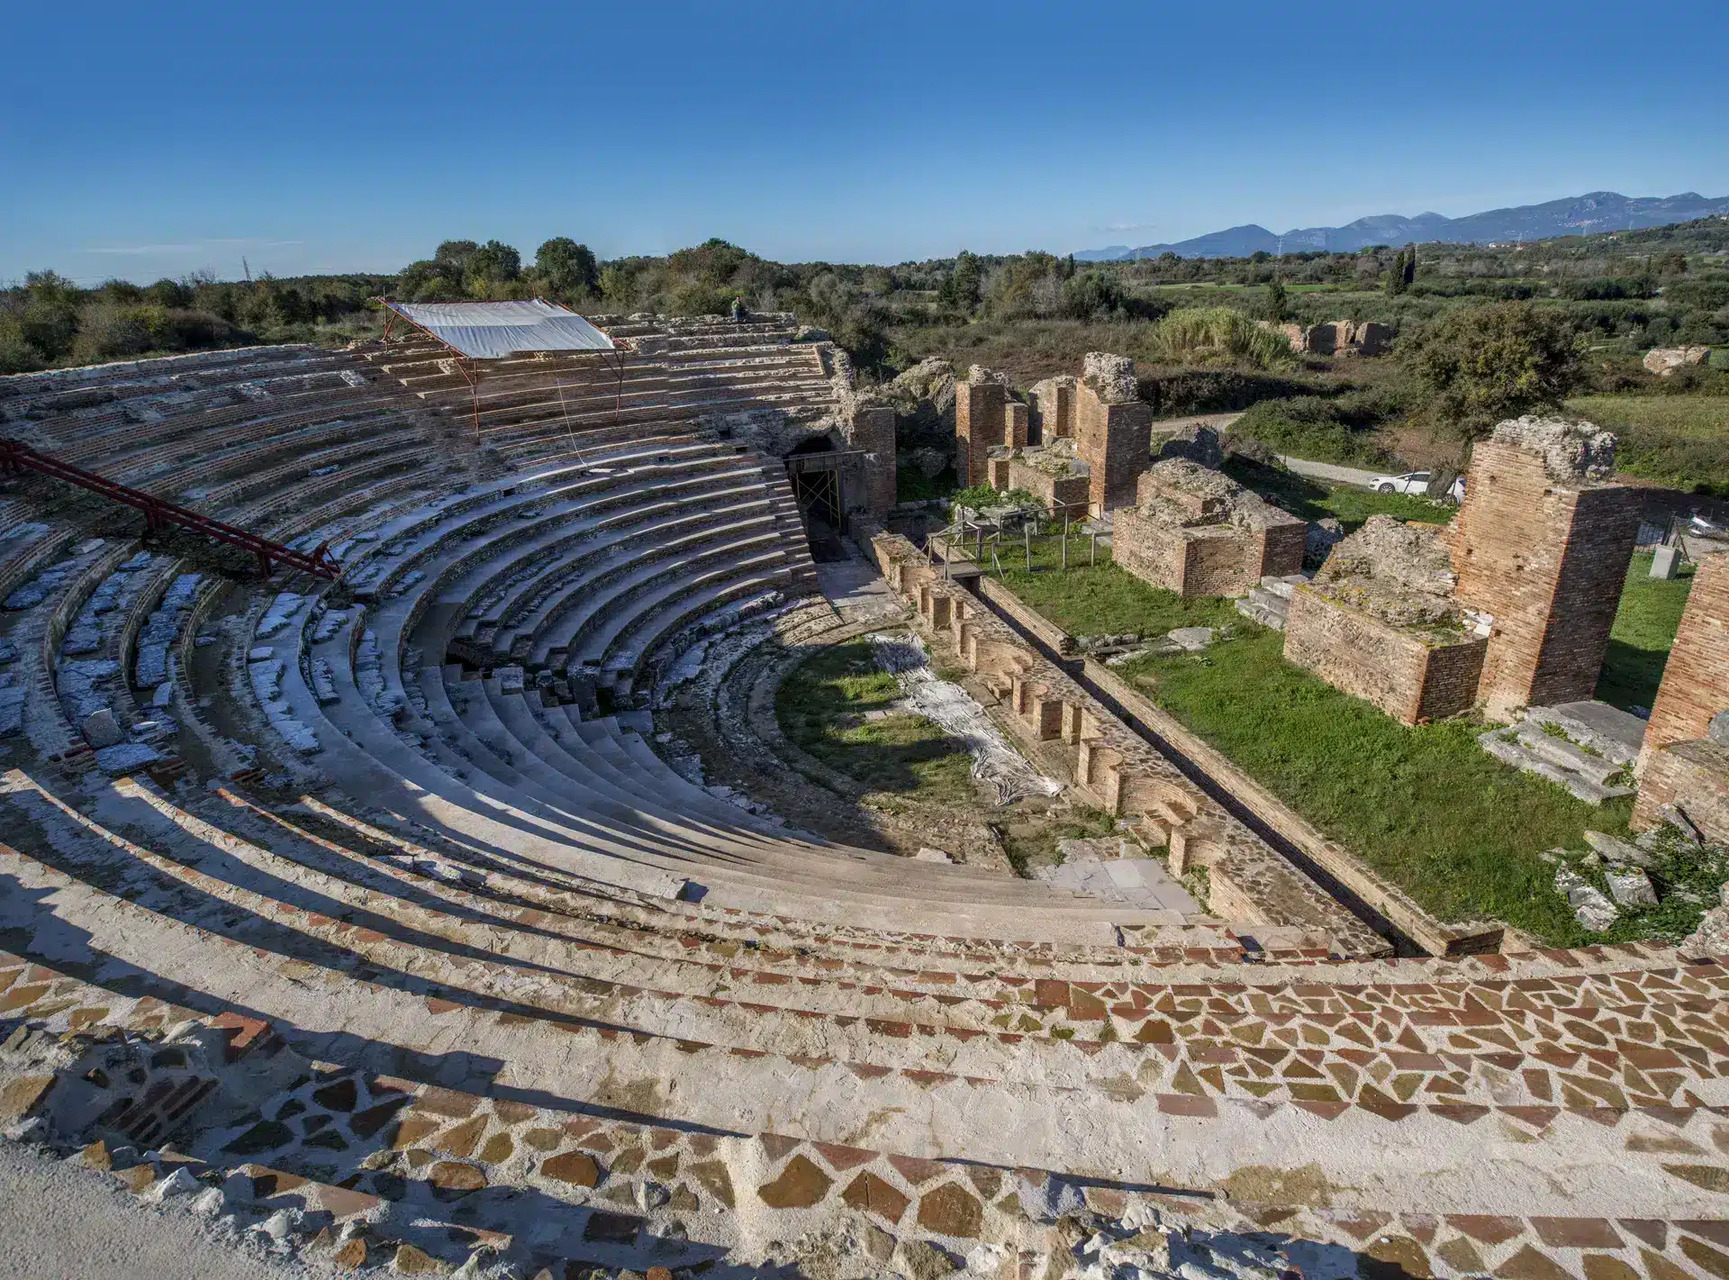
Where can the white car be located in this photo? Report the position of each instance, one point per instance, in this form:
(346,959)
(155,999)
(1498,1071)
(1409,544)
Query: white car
(1415,483)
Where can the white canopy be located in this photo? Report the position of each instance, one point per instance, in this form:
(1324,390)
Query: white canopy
(491,330)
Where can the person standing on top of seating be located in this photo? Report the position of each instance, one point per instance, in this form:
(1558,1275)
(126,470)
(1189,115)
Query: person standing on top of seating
(738,312)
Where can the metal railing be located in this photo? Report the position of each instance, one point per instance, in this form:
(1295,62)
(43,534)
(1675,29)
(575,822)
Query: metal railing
(17,457)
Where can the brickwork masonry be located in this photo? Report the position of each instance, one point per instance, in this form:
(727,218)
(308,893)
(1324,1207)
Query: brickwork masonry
(1544,550)
(1679,764)
(1114,769)
(1198,533)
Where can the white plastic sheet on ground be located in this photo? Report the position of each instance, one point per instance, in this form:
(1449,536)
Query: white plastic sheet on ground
(952,709)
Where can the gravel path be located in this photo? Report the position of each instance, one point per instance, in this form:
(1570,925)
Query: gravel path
(1327,471)
(61,1221)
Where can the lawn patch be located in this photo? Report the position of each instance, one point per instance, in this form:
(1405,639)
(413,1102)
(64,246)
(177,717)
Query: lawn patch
(1103,599)
(1423,806)
(822,707)
(1644,630)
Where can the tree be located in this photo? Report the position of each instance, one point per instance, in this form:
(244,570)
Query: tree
(1403,272)
(567,267)
(960,291)
(490,265)
(1278,305)
(1481,365)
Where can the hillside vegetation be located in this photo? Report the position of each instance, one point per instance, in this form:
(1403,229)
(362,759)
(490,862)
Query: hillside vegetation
(1479,330)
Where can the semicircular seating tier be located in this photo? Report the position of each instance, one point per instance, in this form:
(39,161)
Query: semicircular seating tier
(375,902)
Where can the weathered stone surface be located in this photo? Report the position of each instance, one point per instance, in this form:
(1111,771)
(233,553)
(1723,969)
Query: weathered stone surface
(870,1194)
(951,1210)
(1663,361)
(450,1175)
(1631,888)
(800,1185)
(350,1256)
(712,1177)
(101,729)
(922,1260)
(18,1097)
(1590,907)
(575,1167)
(410,1261)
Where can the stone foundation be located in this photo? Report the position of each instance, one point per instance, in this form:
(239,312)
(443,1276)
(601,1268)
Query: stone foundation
(1411,675)
(1198,533)
(1055,490)
(1692,775)
(1112,767)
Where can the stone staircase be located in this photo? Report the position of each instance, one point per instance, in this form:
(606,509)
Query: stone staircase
(1269,600)
(1587,747)
(454,973)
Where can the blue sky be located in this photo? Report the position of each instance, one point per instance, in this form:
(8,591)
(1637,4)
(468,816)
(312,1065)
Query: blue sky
(143,141)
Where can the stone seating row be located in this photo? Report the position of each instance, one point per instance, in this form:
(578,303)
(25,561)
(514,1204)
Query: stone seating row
(309,902)
(611,1189)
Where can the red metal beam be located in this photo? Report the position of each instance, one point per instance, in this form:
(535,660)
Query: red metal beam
(15,457)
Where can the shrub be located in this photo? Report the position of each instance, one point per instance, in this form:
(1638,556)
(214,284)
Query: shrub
(1310,427)
(1218,335)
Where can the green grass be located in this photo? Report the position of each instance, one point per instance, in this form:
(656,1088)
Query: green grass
(1645,627)
(820,707)
(1033,844)
(1349,504)
(1678,440)
(1103,599)
(1424,806)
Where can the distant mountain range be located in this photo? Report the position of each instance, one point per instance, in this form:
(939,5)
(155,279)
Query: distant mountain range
(1573,216)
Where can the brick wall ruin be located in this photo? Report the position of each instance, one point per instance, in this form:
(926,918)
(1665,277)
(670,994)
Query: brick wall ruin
(1054,406)
(1407,674)
(986,417)
(1337,337)
(1379,622)
(872,428)
(1113,428)
(1111,766)
(1197,532)
(1684,761)
(1067,488)
(1542,544)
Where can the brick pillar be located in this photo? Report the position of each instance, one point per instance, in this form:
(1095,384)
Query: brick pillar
(1696,679)
(1548,560)
(1056,397)
(978,426)
(1014,424)
(873,430)
(1115,441)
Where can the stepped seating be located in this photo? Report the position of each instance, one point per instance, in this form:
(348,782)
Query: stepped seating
(460,971)
(684,372)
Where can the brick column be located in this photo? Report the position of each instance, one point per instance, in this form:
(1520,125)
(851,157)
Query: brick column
(873,430)
(1548,560)
(1696,679)
(1115,441)
(978,426)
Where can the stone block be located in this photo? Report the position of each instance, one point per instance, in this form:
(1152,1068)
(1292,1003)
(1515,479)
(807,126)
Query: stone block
(1410,674)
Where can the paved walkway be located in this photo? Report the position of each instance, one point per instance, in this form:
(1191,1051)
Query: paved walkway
(59,1219)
